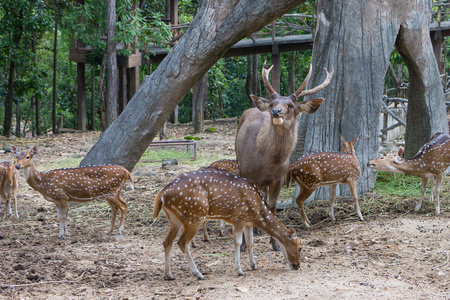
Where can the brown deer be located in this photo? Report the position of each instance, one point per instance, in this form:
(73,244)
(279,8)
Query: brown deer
(326,168)
(210,193)
(267,134)
(431,161)
(8,187)
(83,184)
(231,166)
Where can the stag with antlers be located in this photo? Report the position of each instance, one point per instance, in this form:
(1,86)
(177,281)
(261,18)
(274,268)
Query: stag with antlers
(267,134)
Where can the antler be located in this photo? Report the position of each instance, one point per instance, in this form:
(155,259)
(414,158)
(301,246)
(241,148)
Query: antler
(300,92)
(265,77)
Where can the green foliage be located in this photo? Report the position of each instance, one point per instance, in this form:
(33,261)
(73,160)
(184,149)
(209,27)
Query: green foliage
(195,138)
(394,184)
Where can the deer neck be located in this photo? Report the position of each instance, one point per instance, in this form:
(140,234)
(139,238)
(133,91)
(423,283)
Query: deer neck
(32,176)
(276,139)
(409,167)
(270,224)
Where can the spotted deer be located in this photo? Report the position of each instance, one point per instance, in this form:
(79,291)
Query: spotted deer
(215,194)
(8,187)
(326,169)
(231,166)
(430,161)
(82,184)
(267,134)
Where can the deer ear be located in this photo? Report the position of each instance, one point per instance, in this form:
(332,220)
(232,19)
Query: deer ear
(292,234)
(34,150)
(355,140)
(261,103)
(14,150)
(343,141)
(309,106)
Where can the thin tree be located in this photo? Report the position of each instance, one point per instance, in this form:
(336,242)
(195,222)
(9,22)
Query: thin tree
(112,76)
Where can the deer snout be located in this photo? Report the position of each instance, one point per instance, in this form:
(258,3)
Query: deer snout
(18,167)
(295,266)
(276,112)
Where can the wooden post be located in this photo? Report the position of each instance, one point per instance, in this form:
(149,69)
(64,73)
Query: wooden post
(132,82)
(81,87)
(122,89)
(276,71)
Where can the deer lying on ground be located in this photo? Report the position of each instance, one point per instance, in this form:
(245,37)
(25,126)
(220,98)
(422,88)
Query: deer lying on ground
(431,161)
(215,194)
(231,166)
(8,187)
(326,168)
(83,184)
(267,134)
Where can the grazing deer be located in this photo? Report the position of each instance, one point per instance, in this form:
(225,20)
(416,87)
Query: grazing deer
(231,166)
(82,184)
(215,194)
(326,168)
(8,187)
(431,161)
(267,134)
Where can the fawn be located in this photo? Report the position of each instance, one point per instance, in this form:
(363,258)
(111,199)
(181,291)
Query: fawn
(430,161)
(8,187)
(81,184)
(326,168)
(210,193)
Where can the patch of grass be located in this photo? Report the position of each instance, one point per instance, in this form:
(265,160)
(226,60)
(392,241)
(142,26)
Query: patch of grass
(400,185)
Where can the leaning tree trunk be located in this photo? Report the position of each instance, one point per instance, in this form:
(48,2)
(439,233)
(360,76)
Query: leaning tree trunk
(357,37)
(217,26)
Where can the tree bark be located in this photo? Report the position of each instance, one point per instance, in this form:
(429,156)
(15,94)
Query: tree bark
(55,61)
(357,37)
(217,26)
(198,103)
(112,76)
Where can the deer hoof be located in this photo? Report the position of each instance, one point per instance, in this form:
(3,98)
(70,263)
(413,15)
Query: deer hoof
(169,278)
(240,273)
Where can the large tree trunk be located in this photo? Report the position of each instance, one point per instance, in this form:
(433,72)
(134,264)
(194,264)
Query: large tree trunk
(357,37)
(217,26)
(112,75)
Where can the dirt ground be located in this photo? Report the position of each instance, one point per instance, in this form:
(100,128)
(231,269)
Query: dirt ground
(397,254)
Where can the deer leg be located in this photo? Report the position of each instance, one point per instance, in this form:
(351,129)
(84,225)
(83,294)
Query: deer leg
(237,236)
(221,228)
(123,212)
(115,211)
(438,191)
(205,232)
(186,237)
(354,192)
(248,233)
(14,194)
(174,228)
(332,189)
(62,208)
(6,202)
(423,187)
(274,191)
(302,196)
(432,189)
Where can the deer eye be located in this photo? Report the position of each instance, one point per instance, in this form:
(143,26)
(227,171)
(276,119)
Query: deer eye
(28,157)
(291,106)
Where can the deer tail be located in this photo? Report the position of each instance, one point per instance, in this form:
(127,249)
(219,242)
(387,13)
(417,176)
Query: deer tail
(158,204)
(130,180)
(288,178)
